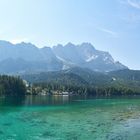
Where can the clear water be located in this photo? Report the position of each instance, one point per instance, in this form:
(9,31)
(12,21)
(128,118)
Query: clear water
(69,118)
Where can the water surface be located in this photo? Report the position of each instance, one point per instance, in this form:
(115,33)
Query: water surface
(69,118)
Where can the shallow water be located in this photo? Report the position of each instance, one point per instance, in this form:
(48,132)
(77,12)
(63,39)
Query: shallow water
(69,118)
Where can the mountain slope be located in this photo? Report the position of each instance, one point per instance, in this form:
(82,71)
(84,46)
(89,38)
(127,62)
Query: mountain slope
(77,78)
(86,56)
(87,76)
(27,58)
(131,75)
(55,77)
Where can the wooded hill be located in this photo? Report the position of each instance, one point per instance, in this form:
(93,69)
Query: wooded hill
(85,81)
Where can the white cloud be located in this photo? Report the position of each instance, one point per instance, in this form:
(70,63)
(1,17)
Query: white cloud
(133,15)
(134,3)
(108,31)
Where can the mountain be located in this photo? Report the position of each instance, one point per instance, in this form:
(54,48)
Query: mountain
(27,58)
(86,56)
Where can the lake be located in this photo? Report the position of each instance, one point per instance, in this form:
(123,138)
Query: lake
(69,118)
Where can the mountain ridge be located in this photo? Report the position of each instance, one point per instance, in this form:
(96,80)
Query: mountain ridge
(57,58)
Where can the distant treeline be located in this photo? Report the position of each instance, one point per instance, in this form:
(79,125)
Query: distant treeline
(87,90)
(11,86)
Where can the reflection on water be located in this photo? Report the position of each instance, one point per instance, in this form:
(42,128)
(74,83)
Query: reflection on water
(47,100)
(12,101)
(39,100)
(69,118)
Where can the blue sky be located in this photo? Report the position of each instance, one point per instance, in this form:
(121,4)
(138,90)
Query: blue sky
(110,25)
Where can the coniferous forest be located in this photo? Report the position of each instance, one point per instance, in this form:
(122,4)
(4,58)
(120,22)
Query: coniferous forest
(86,82)
(12,86)
(73,81)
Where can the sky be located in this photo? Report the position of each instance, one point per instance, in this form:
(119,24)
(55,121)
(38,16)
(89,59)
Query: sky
(110,25)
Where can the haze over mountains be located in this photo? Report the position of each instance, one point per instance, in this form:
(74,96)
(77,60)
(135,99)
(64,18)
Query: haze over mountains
(27,58)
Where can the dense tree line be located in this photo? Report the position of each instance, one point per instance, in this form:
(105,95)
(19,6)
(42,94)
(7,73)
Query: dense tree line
(113,90)
(13,86)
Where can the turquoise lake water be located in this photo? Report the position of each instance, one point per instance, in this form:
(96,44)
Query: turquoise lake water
(69,118)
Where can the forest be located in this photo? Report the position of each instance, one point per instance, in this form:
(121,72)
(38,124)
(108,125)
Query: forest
(86,82)
(73,81)
(12,86)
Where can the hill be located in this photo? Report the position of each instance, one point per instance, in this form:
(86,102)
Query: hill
(86,81)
